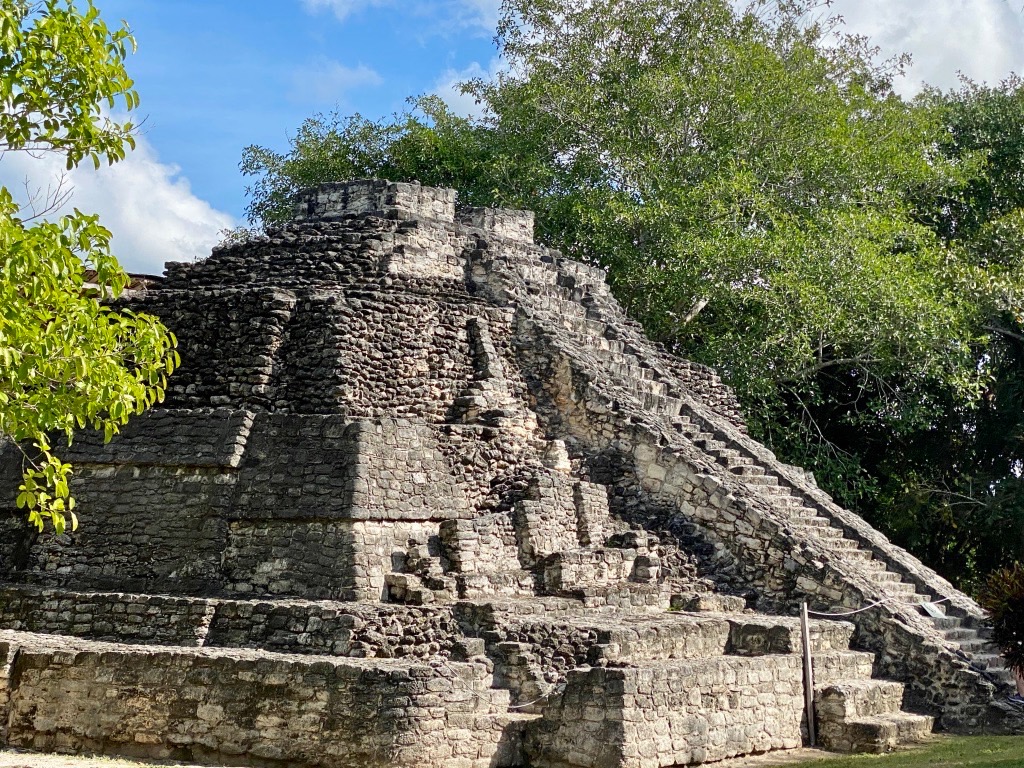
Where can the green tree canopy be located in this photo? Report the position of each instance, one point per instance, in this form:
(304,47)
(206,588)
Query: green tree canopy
(67,359)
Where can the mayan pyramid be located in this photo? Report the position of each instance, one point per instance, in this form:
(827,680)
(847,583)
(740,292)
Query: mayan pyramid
(422,495)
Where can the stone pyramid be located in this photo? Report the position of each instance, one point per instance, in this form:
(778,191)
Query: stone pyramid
(422,495)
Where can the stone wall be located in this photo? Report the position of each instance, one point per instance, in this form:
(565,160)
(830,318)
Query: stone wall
(337,629)
(285,626)
(127,618)
(674,713)
(228,340)
(238,706)
(511,224)
(150,529)
(266,504)
(201,438)
(375,197)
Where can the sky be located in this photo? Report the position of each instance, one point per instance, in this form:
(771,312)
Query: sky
(217,75)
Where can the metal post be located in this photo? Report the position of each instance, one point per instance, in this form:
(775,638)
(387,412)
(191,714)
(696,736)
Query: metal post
(805,632)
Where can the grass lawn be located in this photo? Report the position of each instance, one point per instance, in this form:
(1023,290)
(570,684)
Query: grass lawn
(944,752)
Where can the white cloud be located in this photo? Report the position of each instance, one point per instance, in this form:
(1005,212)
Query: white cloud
(327,81)
(984,39)
(147,205)
(449,14)
(447,86)
(341,8)
(479,13)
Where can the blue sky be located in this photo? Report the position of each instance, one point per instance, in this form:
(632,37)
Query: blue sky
(215,78)
(217,75)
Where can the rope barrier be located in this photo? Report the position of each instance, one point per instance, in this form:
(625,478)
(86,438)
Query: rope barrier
(873,605)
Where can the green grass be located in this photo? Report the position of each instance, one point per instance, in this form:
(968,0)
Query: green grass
(944,752)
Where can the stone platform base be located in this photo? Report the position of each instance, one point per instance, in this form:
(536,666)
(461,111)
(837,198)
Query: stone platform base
(543,682)
(251,707)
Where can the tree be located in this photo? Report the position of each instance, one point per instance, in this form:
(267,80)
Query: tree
(755,189)
(68,360)
(429,143)
(955,492)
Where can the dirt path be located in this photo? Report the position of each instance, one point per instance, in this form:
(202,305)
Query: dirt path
(16,758)
(10,758)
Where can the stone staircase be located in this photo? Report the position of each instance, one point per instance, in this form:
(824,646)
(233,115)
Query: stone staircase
(551,660)
(804,518)
(865,716)
(571,307)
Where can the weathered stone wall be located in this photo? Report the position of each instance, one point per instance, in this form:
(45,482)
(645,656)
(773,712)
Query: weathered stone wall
(511,224)
(120,617)
(674,713)
(230,706)
(375,197)
(285,626)
(337,629)
(228,340)
(268,504)
(308,558)
(491,466)
(389,355)
(200,438)
(150,529)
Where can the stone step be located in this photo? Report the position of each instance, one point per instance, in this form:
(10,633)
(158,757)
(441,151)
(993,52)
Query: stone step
(878,734)
(901,589)
(846,699)
(885,577)
(835,666)
(958,634)
(747,468)
(860,556)
(810,522)
(802,510)
(973,646)
(760,481)
(838,542)
(739,464)
(989,661)
(711,446)
(779,491)
(820,532)
(789,503)
(917,598)
(872,566)
(945,622)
